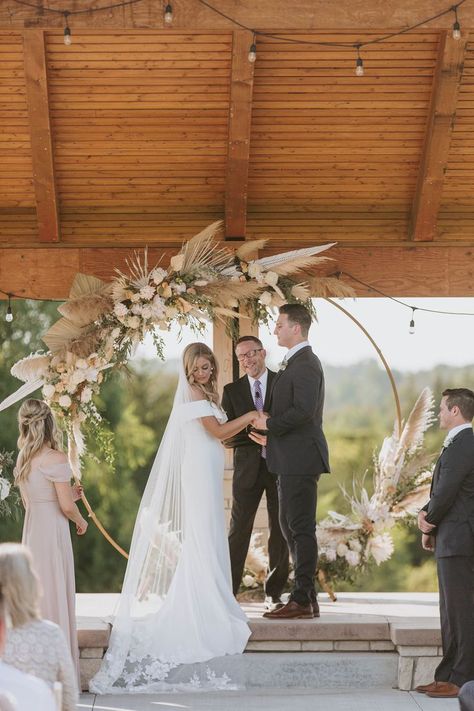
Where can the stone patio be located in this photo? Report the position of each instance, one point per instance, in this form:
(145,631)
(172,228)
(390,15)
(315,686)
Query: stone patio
(381,639)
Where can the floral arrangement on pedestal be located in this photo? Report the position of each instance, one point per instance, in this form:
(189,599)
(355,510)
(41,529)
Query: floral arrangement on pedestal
(103,322)
(349,543)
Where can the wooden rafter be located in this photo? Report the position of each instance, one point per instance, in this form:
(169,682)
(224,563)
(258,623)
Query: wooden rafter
(240,117)
(429,189)
(41,137)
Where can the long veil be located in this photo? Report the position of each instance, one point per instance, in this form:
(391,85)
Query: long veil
(154,555)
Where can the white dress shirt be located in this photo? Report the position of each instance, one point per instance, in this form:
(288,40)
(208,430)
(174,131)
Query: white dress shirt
(295,349)
(30,693)
(454,431)
(263,379)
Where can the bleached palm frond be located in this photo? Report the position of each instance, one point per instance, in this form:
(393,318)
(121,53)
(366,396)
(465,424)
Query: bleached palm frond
(278,260)
(203,250)
(256,561)
(61,334)
(301,291)
(137,268)
(222,312)
(33,367)
(86,309)
(324,287)
(86,344)
(250,247)
(85,284)
(23,391)
(419,420)
(412,502)
(222,291)
(297,264)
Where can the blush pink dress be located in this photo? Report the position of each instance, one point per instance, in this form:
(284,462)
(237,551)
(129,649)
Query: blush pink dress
(46,533)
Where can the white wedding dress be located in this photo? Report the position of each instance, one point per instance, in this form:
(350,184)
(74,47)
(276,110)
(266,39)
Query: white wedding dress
(177,608)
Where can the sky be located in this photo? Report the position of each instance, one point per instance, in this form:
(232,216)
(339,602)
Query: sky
(438,339)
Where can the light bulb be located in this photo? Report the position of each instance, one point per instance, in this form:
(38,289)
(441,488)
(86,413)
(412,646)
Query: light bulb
(168,14)
(456,30)
(359,67)
(9,315)
(253,53)
(411,330)
(67,36)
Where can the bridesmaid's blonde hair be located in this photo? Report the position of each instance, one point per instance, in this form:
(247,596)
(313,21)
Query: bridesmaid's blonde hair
(37,427)
(190,357)
(19,584)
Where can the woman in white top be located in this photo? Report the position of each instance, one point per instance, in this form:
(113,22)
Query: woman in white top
(177,606)
(34,646)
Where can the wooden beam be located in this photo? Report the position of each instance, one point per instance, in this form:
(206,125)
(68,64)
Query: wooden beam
(429,189)
(240,117)
(264,14)
(412,270)
(41,138)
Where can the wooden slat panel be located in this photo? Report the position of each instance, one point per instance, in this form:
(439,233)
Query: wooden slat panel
(36,81)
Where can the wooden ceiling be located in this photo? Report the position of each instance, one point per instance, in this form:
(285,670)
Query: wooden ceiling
(138,134)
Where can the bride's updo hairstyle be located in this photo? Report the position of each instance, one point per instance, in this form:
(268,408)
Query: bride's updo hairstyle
(37,428)
(190,357)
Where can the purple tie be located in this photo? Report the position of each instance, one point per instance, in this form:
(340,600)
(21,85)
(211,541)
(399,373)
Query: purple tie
(258,399)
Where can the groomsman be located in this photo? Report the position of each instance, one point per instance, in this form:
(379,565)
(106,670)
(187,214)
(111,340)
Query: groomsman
(447,525)
(251,476)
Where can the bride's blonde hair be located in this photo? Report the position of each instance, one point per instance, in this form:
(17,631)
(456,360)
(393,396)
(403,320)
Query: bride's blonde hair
(37,428)
(190,357)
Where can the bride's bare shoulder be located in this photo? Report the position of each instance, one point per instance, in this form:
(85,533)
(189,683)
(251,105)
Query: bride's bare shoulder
(196,394)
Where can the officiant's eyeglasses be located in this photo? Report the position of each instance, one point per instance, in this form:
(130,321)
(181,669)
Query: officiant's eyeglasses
(249,354)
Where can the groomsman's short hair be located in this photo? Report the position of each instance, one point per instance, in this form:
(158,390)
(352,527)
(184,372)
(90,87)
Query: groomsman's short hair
(297,313)
(244,339)
(463,398)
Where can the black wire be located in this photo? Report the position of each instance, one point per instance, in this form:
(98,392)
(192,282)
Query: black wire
(11,295)
(77,12)
(402,303)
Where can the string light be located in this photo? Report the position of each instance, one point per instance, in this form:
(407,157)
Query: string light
(456,25)
(411,329)
(168,14)
(9,314)
(359,62)
(253,52)
(67,30)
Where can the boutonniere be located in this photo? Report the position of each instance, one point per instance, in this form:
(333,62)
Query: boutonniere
(447,442)
(282,365)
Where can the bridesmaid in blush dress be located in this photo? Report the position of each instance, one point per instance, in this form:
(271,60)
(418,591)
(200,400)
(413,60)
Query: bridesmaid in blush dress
(43,475)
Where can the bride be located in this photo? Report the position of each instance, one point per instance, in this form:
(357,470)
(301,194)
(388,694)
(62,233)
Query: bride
(176,606)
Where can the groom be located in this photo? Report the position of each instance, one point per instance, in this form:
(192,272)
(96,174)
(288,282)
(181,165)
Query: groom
(297,453)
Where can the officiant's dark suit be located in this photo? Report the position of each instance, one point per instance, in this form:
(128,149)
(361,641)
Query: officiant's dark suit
(451,510)
(251,479)
(297,453)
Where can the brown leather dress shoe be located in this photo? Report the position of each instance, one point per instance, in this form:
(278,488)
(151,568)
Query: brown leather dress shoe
(444,690)
(315,606)
(291,611)
(424,688)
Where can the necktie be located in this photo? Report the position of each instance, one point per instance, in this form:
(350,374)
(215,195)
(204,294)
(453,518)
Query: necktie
(258,399)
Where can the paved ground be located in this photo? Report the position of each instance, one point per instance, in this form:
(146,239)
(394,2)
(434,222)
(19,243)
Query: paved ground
(273,700)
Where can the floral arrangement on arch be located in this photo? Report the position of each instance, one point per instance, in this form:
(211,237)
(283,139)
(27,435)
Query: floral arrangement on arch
(350,543)
(9,495)
(103,322)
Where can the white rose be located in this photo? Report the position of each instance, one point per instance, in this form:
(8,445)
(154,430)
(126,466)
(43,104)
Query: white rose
(176,262)
(86,395)
(341,550)
(78,376)
(158,306)
(147,292)
(81,363)
(355,545)
(115,333)
(266,298)
(65,401)
(147,311)
(137,309)
(120,310)
(271,278)
(48,390)
(352,557)
(329,554)
(178,288)
(158,275)
(249,581)
(133,322)
(91,375)
(4,488)
(254,270)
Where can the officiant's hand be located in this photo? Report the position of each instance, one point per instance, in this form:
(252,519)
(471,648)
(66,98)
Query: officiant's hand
(428,542)
(423,524)
(258,438)
(260,423)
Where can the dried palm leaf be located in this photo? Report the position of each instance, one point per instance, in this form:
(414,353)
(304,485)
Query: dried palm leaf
(202,251)
(86,344)
(228,313)
(23,391)
(256,560)
(86,309)
(85,284)
(301,291)
(324,287)
(32,367)
(278,260)
(222,291)
(61,334)
(250,247)
(138,270)
(419,420)
(412,502)
(297,264)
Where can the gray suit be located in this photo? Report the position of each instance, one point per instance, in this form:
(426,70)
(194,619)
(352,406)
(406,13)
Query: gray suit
(451,510)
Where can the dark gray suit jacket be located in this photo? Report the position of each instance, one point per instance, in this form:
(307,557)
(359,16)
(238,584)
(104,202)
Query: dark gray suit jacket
(451,504)
(296,443)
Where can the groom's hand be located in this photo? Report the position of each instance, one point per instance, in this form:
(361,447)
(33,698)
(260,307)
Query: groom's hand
(423,525)
(258,438)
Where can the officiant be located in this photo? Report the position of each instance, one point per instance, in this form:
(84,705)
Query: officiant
(251,476)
